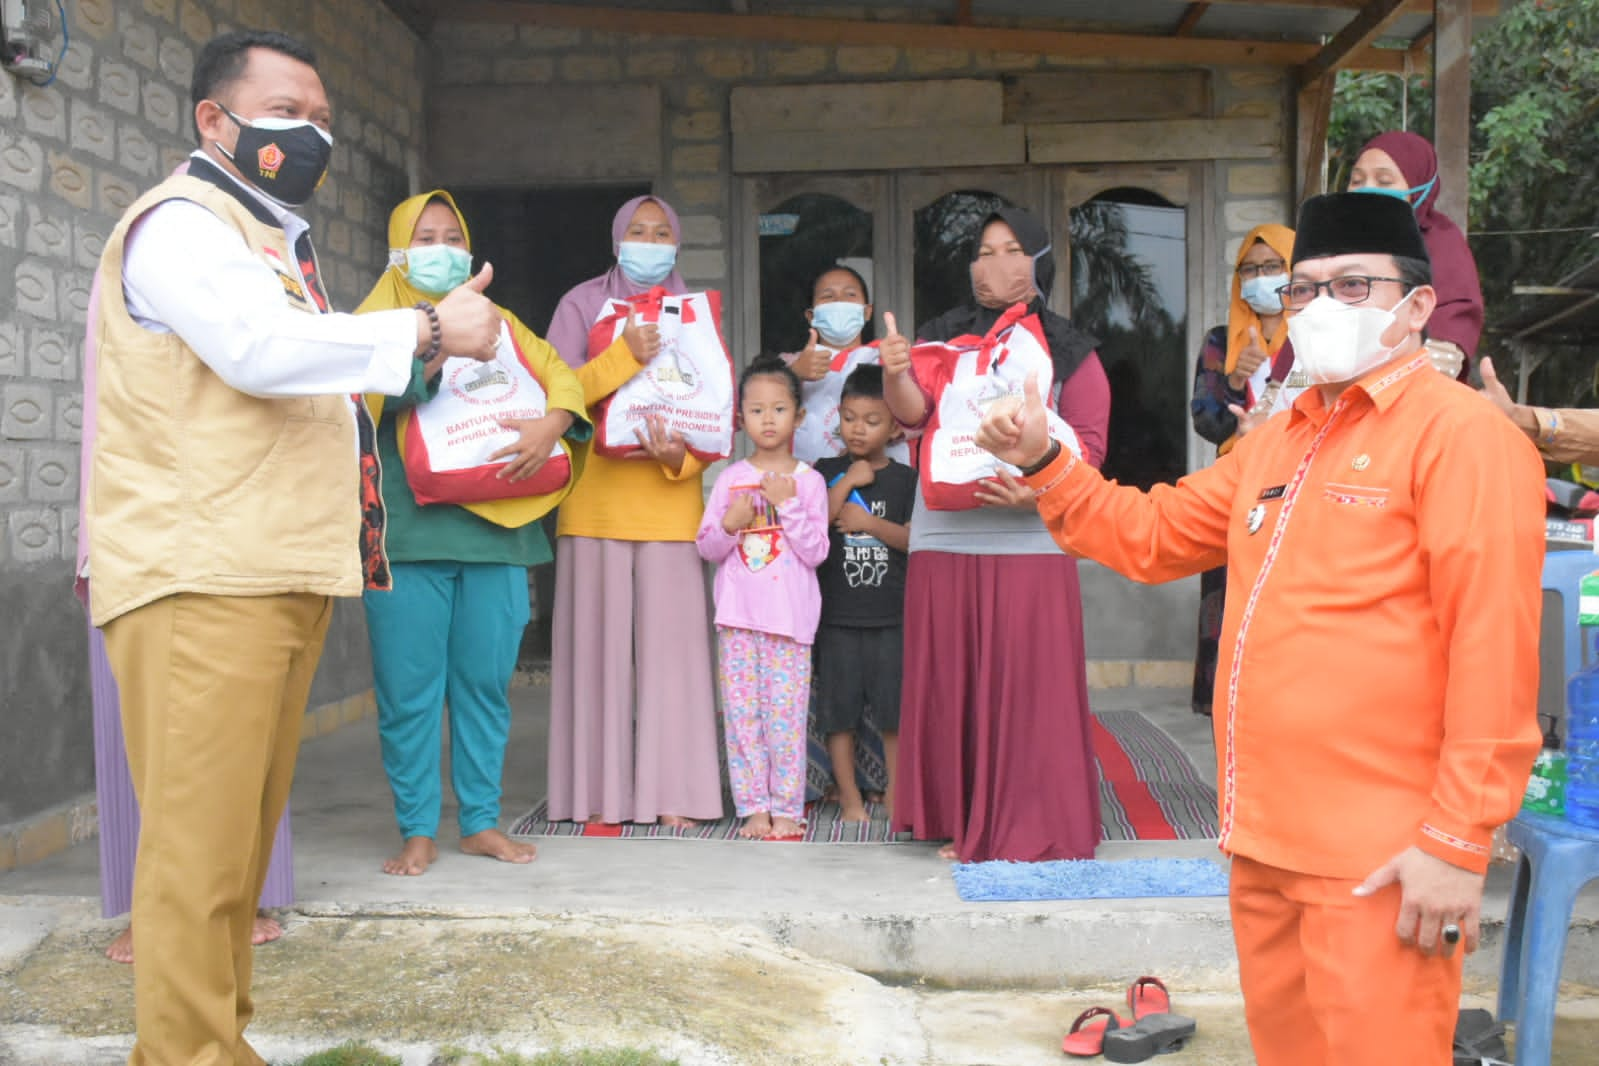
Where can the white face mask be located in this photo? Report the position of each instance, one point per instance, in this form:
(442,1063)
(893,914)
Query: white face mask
(1337,342)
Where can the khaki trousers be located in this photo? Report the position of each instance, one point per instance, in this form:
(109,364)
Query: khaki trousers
(213,696)
(1327,981)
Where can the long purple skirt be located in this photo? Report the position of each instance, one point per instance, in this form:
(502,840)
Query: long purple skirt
(119,809)
(632,708)
(996,747)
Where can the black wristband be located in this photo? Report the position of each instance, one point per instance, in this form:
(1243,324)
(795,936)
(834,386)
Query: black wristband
(1049,457)
(432,350)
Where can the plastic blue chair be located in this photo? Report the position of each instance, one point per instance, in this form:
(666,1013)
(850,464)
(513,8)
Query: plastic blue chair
(1557,859)
(1563,572)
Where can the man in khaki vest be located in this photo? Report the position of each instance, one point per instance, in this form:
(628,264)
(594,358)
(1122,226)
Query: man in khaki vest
(233,492)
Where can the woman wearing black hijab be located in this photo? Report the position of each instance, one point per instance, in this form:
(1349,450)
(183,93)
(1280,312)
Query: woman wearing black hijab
(996,751)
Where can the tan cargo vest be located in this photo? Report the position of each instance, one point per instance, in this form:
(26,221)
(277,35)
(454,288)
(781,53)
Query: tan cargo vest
(196,486)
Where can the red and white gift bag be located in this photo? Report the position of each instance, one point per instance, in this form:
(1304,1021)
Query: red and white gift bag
(448,440)
(690,380)
(968,374)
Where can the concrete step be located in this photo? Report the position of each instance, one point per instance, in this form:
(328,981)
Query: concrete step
(706,992)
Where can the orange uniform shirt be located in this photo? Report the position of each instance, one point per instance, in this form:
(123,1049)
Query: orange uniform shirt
(1379,654)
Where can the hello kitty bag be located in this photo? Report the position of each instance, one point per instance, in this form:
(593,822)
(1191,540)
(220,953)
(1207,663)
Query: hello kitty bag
(690,380)
(968,374)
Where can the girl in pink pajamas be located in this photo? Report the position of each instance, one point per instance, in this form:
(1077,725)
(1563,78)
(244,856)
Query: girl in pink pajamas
(765,528)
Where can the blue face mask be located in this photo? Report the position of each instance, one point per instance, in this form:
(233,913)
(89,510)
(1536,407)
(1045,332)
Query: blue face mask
(1260,293)
(1420,192)
(437,268)
(645,263)
(838,322)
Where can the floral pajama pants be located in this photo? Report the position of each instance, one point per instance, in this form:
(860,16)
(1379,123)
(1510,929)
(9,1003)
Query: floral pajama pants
(766,685)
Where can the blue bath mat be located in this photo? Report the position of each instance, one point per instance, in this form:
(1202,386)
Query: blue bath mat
(1089,879)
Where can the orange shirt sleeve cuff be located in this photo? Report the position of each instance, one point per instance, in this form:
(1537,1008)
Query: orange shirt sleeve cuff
(1052,475)
(1456,844)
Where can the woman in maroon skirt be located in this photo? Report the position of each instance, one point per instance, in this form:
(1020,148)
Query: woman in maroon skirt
(996,753)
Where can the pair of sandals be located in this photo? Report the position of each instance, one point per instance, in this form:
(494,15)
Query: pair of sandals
(1154,1030)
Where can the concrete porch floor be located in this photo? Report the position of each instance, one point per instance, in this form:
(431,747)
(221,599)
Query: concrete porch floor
(714,952)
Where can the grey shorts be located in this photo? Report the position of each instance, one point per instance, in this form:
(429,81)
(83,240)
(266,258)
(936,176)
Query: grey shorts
(856,677)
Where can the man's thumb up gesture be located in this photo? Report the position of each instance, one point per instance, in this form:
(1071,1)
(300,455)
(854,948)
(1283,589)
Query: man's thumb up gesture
(1017,431)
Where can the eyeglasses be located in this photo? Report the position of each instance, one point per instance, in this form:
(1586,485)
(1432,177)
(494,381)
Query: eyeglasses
(1349,289)
(1251,271)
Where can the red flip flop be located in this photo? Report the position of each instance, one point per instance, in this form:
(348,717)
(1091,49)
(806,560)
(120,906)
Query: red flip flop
(1086,1038)
(1147,996)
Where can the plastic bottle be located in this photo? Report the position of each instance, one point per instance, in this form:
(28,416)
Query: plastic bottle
(1588,600)
(1582,747)
(1546,788)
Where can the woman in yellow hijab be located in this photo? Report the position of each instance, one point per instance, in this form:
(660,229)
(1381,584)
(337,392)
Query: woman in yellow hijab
(450,628)
(1240,368)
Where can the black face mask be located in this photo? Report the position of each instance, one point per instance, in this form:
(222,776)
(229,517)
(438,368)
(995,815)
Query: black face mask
(284,158)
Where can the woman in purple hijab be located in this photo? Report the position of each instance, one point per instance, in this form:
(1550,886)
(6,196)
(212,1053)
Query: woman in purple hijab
(632,709)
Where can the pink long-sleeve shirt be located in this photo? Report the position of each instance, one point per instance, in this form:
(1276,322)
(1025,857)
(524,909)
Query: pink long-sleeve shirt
(766,575)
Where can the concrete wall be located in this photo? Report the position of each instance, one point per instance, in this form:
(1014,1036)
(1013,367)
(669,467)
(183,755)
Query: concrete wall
(72,156)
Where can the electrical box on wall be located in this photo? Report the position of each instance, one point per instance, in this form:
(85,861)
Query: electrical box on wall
(26,27)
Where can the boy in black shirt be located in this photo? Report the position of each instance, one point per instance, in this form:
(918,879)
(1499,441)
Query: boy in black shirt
(860,642)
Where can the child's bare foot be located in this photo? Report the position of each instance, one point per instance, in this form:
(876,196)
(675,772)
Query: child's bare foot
(756,826)
(677,821)
(854,812)
(121,949)
(948,852)
(264,931)
(496,845)
(786,827)
(413,859)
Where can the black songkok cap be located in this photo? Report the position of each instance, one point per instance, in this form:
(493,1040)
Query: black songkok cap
(1357,223)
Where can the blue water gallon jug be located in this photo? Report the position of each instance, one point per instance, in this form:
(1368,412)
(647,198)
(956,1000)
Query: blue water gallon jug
(1582,746)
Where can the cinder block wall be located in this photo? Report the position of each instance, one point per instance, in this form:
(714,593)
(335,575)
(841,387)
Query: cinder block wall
(73,155)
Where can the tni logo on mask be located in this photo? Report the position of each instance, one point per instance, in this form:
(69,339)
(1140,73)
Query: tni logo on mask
(270,158)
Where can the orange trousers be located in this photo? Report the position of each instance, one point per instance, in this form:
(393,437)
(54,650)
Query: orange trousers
(213,695)
(1327,981)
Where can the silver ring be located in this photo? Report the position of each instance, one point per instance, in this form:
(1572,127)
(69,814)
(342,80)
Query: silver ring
(1451,934)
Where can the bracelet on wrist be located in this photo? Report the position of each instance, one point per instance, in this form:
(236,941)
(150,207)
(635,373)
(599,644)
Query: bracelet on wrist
(431,352)
(1050,454)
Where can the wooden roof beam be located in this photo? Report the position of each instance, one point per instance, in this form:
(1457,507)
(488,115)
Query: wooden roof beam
(1361,32)
(1190,19)
(794,29)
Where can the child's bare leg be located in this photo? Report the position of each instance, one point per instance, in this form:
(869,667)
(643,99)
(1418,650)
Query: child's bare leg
(756,826)
(841,752)
(890,759)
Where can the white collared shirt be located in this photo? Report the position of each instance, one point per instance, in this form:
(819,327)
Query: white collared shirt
(186,271)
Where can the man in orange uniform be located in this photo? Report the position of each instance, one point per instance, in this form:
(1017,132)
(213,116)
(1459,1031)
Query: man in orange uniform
(1375,696)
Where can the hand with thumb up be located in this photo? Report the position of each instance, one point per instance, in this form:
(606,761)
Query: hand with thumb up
(813,363)
(643,338)
(469,323)
(1017,431)
(894,351)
